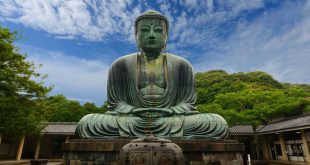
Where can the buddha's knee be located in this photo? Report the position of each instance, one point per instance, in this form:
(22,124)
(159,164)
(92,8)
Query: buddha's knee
(97,125)
(209,118)
(205,125)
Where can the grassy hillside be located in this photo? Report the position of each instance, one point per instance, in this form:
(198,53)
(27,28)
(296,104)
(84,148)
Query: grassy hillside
(252,97)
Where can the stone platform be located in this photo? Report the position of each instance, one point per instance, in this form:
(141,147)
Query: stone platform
(195,151)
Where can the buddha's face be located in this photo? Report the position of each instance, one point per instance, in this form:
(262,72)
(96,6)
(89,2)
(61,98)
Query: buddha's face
(151,34)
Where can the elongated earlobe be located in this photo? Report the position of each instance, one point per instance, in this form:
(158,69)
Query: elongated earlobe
(138,43)
(165,44)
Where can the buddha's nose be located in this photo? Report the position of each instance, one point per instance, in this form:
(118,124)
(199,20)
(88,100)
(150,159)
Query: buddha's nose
(152,34)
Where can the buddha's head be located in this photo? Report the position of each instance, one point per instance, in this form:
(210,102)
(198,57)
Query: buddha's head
(151,30)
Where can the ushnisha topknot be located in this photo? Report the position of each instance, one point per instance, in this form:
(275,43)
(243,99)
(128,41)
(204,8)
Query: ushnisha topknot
(151,14)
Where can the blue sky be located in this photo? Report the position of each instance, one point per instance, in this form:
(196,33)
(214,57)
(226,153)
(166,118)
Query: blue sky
(77,40)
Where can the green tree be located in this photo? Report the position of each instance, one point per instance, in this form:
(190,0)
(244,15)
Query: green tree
(104,107)
(90,108)
(211,83)
(251,98)
(20,94)
(60,109)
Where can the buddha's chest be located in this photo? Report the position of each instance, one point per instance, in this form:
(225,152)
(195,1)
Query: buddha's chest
(152,77)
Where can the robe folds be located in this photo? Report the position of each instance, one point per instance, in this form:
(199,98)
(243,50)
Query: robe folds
(124,95)
(173,114)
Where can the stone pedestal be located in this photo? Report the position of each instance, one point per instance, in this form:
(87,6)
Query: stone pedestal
(151,150)
(211,152)
(195,151)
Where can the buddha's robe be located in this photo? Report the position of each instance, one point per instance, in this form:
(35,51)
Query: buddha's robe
(171,114)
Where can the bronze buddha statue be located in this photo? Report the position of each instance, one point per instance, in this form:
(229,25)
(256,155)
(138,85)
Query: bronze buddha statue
(152,92)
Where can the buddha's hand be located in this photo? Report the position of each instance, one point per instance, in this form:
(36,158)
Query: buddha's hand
(152,112)
(114,113)
(191,112)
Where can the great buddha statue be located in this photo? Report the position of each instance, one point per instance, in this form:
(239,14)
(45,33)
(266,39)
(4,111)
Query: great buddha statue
(152,92)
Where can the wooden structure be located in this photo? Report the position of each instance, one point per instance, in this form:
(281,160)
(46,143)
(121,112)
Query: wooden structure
(286,139)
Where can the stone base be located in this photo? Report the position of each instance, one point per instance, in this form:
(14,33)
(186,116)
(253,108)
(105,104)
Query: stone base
(195,151)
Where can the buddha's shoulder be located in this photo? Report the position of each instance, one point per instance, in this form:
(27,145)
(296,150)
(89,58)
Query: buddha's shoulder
(124,59)
(178,58)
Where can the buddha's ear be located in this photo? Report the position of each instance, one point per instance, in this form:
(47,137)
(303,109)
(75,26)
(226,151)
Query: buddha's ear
(165,44)
(137,41)
(166,36)
(166,40)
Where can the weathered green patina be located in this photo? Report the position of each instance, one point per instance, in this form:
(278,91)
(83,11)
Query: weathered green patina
(152,92)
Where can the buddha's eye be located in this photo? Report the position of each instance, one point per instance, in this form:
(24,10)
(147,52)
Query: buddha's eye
(144,30)
(158,29)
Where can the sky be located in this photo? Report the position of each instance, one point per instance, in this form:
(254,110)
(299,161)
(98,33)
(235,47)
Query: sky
(77,40)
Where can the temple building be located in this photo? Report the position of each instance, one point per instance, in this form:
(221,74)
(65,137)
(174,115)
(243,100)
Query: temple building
(284,140)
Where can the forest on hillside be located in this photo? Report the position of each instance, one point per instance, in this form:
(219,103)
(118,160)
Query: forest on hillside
(249,98)
(241,98)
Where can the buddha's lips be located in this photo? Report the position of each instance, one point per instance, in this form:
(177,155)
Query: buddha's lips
(151,41)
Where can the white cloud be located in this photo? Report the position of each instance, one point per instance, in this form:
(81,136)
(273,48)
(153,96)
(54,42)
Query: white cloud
(68,37)
(190,4)
(237,6)
(77,78)
(90,19)
(210,5)
(98,20)
(277,42)
(200,25)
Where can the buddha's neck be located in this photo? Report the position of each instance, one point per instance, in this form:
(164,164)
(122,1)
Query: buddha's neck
(152,55)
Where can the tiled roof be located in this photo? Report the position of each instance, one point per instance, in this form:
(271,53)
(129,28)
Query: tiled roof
(68,128)
(59,128)
(241,130)
(258,128)
(286,125)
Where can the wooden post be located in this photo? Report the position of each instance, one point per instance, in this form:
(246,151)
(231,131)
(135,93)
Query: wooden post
(305,145)
(265,148)
(67,138)
(257,151)
(20,147)
(283,149)
(0,138)
(237,138)
(38,146)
